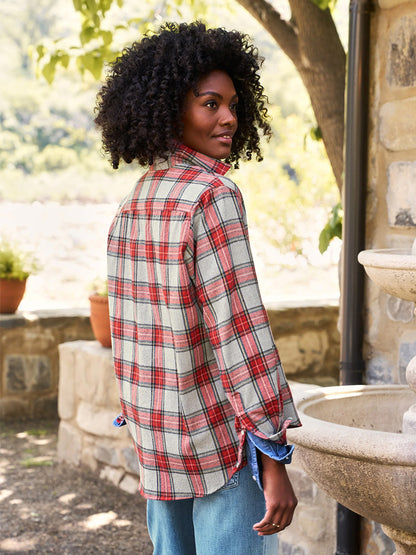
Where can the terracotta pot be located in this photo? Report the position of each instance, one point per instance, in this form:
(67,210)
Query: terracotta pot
(11,293)
(100,319)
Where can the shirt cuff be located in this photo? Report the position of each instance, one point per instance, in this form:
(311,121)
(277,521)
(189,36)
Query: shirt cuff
(119,421)
(276,451)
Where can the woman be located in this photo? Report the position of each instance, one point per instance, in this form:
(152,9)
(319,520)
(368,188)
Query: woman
(202,389)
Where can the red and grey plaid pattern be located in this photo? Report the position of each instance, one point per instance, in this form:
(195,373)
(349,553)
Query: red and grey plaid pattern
(194,356)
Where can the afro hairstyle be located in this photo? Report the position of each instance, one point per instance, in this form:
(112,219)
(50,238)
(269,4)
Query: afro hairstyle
(139,108)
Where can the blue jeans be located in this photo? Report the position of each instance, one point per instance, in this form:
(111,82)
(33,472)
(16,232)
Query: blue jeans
(217,524)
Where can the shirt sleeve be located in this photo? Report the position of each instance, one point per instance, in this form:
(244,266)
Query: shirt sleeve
(236,320)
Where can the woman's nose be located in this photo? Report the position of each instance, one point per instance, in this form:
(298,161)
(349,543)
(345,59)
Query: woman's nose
(227,116)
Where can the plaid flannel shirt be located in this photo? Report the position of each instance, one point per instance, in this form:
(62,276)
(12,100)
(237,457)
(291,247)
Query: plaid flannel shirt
(195,360)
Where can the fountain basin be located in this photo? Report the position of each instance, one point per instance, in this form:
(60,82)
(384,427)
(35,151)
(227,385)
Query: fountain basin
(352,446)
(393,270)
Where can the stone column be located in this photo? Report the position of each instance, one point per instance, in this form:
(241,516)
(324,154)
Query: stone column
(88,402)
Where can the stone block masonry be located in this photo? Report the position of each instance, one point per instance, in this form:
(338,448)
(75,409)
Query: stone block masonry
(391,188)
(29,360)
(87,404)
(308,341)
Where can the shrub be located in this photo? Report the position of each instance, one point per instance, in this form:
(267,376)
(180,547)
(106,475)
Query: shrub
(54,157)
(16,263)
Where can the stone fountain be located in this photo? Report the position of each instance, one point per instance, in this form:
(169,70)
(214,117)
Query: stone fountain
(358,443)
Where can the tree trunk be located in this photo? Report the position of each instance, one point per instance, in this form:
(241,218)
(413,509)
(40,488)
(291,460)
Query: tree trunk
(312,42)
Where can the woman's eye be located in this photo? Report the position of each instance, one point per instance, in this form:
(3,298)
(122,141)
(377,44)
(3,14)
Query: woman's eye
(233,107)
(211,104)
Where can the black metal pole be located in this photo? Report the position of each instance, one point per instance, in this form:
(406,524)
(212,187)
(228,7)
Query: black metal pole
(354,196)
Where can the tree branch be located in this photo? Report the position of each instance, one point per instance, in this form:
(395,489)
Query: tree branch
(282,31)
(312,42)
(322,69)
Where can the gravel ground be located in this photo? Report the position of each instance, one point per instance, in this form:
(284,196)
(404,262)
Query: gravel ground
(49,507)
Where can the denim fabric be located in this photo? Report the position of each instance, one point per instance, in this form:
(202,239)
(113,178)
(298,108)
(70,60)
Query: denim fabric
(217,524)
(276,451)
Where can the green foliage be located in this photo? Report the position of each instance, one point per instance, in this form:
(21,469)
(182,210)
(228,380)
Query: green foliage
(105,28)
(325,4)
(16,263)
(37,432)
(55,157)
(332,229)
(23,24)
(95,43)
(285,193)
(36,462)
(315,133)
(49,69)
(36,136)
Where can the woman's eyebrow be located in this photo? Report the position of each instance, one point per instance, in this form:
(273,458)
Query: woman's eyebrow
(213,93)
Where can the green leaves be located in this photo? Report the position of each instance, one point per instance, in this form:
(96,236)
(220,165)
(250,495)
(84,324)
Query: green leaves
(316,133)
(90,8)
(49,69)
(102,27)
(325,4)
(91,62)
(15,263)
(332,229)
(95,43)
(87,34)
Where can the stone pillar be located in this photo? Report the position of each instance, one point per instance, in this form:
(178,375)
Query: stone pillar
(391,205)
(390,339)
(88,402)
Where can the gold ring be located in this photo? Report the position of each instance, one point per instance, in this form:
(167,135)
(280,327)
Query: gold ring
(275,525)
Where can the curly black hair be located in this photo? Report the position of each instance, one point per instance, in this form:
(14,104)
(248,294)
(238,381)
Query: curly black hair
(139,108)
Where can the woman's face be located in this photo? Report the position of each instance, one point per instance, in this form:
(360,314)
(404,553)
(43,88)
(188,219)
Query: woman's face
(210,116)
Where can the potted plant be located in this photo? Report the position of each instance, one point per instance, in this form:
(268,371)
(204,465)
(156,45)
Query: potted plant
(15,267)
(99,313)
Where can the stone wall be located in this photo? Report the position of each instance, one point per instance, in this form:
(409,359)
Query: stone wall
(87,404)
(308,341)
(391,201)
(29,362)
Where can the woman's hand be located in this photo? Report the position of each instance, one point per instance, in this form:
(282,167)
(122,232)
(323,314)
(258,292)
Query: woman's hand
(280,498)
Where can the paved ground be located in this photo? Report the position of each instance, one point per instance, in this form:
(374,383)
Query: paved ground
(49,507)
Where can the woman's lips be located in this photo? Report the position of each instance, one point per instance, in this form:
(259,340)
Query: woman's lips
(225,139)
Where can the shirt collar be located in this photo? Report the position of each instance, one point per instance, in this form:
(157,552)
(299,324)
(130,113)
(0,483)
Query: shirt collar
(188,156)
